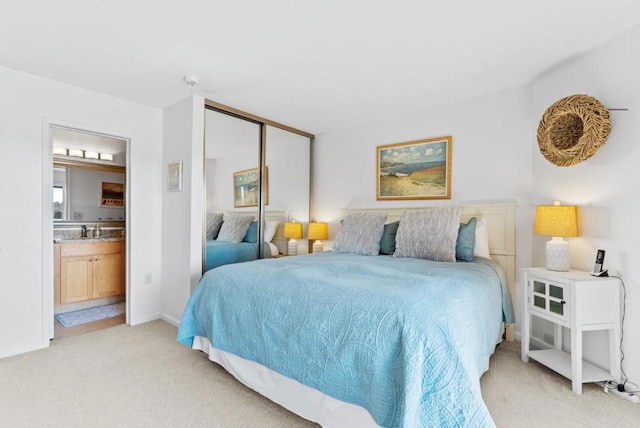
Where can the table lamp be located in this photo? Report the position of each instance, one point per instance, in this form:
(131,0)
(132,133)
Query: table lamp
(557,221)
(292,231)
(318,231)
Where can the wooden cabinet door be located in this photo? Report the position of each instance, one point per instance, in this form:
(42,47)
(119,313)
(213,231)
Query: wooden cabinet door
(56,274)
(108,275)
(76,278)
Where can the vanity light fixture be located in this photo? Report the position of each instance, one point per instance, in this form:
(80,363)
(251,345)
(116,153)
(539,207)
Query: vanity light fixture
(318,231)
(292,231)
(82,154)
(557,221)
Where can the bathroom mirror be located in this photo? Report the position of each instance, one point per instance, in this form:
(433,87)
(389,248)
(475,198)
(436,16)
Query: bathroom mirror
(87,194)
(89,174)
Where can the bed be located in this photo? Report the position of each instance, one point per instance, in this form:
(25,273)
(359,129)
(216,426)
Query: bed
(348,339)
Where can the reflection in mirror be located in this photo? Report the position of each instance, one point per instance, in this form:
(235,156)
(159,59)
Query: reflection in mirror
(288,162)
(232,183)
(89,173)
(82,195)
(257,178)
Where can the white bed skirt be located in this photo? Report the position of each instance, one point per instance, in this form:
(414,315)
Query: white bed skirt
(307,402)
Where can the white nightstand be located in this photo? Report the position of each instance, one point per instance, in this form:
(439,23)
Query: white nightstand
(580,302)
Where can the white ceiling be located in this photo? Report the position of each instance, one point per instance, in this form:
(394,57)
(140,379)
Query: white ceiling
(315,65)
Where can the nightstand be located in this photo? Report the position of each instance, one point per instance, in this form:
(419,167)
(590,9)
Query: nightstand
(580,302)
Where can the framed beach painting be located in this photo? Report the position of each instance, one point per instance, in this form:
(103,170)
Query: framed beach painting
(414,170)
(246,188)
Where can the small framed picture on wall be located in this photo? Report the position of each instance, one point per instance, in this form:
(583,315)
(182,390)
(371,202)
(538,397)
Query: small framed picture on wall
(175,177)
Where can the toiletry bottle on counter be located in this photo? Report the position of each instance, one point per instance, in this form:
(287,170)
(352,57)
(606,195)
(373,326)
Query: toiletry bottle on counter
(84,231)
(97,232)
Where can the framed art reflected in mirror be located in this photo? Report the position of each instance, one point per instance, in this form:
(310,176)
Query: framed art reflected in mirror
(246,188)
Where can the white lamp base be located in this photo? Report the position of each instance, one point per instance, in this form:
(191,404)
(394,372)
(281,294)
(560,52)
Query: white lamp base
(292,247)
(558,255)
(317,247)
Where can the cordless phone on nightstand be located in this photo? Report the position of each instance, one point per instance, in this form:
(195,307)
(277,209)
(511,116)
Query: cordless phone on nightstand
(597,268)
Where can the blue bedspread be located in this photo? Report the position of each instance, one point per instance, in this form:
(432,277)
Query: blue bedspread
(406,339)
(220,253)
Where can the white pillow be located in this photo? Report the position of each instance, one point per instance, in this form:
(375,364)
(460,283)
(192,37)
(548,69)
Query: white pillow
(482,240)
(270,230)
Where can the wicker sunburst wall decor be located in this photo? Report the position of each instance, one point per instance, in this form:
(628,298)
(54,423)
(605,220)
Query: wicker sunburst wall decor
(573,129)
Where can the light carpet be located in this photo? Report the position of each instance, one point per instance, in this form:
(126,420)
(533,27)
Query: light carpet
(141,377)
(84,316)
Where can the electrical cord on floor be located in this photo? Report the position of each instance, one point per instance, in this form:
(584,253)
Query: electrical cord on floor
(621,386)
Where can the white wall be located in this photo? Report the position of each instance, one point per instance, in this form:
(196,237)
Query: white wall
(182,212)
(604,186)
(491,156)
(26,240)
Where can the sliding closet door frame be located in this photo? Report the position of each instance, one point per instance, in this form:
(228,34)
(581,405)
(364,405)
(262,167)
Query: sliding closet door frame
(262,122)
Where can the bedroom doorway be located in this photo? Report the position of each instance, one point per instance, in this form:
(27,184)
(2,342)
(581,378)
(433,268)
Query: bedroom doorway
(89,218)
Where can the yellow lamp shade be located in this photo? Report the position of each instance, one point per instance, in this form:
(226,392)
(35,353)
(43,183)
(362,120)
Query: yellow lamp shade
(293,230)
(557,220)
(318,230)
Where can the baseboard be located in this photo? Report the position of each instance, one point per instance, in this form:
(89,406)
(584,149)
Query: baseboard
(170,320)
(142,320)
(24,349)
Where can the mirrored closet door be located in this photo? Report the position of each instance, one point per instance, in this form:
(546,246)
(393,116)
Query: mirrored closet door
(257,180)
(232,183)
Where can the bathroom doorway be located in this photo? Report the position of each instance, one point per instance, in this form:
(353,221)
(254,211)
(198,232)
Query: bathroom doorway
(89,216)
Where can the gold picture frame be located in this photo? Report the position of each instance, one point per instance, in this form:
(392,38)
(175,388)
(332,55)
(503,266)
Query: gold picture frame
(414,170)
(246,188)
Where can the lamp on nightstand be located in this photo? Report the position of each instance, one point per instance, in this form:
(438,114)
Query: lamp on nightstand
(292,231)
(318,231)
(558,221)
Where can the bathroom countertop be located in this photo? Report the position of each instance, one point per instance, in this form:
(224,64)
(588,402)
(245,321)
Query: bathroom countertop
(81,240)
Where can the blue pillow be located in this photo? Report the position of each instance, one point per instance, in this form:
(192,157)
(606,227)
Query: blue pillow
(388,241)
(252,233)
(466,240)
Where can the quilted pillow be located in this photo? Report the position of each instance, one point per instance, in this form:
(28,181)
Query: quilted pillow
(234,228)
(360,233)
(214,223)
(388,241)
(466,241)
(428,234)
